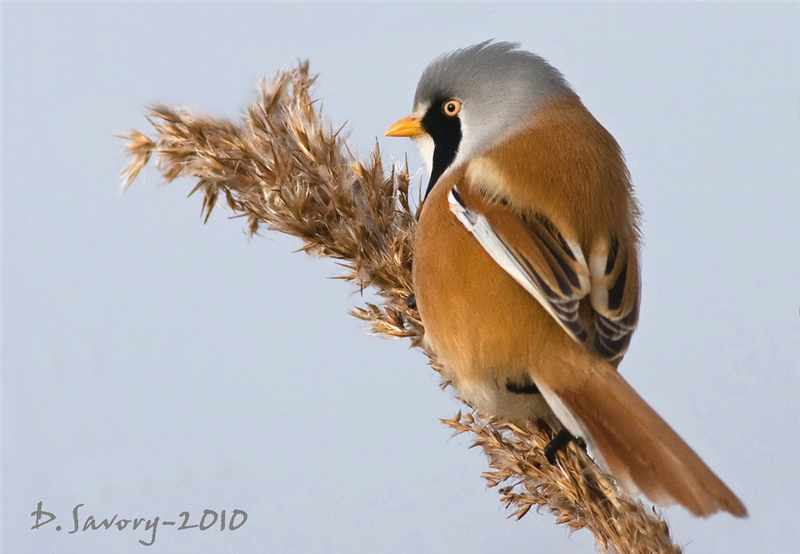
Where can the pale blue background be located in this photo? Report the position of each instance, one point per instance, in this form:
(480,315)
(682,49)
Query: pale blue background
(153,364)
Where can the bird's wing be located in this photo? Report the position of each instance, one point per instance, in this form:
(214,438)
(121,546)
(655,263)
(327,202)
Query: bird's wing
(533,252)
(614,268)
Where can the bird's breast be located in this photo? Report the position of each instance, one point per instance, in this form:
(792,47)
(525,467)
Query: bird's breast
(484,327)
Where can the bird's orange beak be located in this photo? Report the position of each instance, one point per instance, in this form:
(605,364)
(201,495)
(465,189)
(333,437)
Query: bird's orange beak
(406,127)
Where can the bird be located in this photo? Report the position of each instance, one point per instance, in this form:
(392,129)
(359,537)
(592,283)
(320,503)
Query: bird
(526,267)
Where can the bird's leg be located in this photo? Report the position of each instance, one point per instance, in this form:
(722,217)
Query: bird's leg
(560,442)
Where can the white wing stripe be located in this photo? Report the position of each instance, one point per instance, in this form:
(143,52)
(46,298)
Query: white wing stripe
(477,224)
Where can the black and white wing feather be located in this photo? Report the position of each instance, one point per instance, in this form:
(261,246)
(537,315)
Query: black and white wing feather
(533,252)
(554,271)
(615,296)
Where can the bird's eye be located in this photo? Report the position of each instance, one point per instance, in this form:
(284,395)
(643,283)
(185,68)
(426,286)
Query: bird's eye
(451,107)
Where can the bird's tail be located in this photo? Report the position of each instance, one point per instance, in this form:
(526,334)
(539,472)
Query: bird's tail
(632,441)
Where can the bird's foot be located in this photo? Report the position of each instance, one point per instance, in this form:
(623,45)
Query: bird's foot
(560,442)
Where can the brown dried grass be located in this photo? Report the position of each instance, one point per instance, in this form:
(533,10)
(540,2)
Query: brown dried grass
(284,167)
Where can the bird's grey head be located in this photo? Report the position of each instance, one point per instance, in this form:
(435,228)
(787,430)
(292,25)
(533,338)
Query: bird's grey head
(496,87)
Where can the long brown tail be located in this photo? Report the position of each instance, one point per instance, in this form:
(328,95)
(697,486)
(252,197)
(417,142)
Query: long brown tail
(634,443)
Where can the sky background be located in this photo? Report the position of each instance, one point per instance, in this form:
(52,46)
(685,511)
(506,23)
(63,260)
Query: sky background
(153,365)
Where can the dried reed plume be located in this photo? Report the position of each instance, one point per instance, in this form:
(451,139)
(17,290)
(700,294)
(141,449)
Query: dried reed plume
(286,168)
